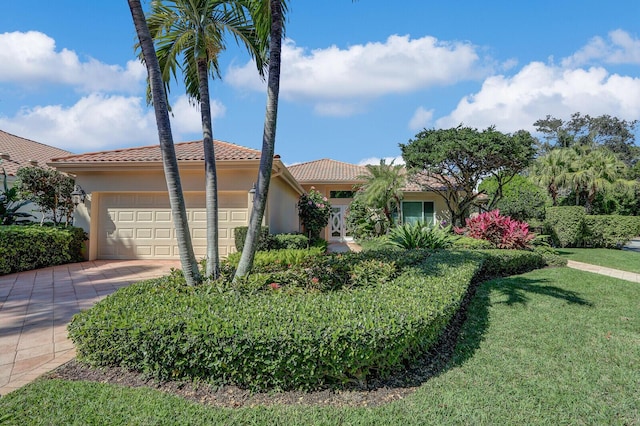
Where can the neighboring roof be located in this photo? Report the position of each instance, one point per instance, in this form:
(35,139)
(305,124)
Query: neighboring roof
(17,152)
(327,170)
(185,151)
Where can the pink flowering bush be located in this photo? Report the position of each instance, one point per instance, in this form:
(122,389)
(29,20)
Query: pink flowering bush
(314,210)
(501,231)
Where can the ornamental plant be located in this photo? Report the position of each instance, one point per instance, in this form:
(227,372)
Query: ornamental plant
(314,210)
(501,231)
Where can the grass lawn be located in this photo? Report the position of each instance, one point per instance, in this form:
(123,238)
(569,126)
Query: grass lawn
(624,260)
(554,346)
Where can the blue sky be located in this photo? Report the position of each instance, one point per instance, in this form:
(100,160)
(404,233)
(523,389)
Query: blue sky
(358,78)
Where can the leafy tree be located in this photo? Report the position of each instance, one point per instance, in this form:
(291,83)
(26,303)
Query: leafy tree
(49,189)
(169,161)
(622,197)
(268,17)
(521,200)
(314,210)
(189,35)
(364,221)
(10,203)
(456,160)
(382,189)
(583,130)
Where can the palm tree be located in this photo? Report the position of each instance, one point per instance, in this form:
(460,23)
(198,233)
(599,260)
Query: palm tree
(169,161)
(552,171)
(268,17)
(193,31)
(595,170)
(382,188)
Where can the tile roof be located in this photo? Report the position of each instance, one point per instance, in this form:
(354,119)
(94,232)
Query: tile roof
(327,170)
(21,152)
(185,151)
(418,182)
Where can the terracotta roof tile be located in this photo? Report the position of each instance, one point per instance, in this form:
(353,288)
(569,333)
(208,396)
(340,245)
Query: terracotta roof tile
(327,170)
(419,181)
(185,151)
(21,152)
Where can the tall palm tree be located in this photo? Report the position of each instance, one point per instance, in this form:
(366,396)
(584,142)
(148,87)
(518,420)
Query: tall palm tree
(382,188)
(552,171)
(189,35)
(593,171)
(268,17)
(169,161)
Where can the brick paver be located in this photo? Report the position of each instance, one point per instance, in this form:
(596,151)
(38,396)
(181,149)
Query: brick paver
(36,306)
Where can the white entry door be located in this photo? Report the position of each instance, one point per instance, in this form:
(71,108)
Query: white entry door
(337,224)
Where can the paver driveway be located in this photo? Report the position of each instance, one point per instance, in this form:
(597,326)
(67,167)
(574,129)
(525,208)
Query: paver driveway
(36,306)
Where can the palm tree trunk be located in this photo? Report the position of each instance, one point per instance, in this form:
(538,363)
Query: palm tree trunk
(211,177)
(268,142)
(169,161)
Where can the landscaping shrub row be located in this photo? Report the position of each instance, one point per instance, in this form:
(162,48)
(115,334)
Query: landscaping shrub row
(267,241)
(23,248)
(274,339)
(571,227)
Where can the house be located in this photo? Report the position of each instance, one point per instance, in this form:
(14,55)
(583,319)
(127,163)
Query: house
(126,211)
(338,182)
(17,152)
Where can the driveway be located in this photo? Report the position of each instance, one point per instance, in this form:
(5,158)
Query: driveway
(36,306)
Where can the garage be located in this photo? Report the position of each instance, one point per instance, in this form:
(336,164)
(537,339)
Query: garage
(140,225)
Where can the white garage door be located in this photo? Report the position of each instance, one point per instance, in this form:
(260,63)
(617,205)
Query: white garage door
(140,226)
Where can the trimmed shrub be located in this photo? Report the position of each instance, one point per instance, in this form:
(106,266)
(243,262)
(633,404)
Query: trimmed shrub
(501,231)
(288,241)
(565,225)
(240,234)
(276,260)
(464,242)
(23,248)
(277,339)
(610,231)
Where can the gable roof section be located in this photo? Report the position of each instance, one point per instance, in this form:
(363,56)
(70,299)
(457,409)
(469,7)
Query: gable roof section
(185,151)
(327,170)
(17,152)
(418,182)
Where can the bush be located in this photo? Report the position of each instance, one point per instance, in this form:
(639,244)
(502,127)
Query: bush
(240,234)
(275,339)
(464,242)
(314,210)
(565,225)
(288,241)
(501,231)
(23,248)
(421,235)
(610,231)
(276,260)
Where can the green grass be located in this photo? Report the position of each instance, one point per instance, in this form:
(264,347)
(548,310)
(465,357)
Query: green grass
(624,260)
(553,346)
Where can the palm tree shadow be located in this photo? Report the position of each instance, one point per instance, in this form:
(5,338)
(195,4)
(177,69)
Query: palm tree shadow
(467,330)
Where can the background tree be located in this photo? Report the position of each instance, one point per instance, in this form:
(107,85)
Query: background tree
(382,189)
(457,159)
(49,190)
(189,35)
(522,199)
(11,203)
(605,131)
(552,171)
(169,161)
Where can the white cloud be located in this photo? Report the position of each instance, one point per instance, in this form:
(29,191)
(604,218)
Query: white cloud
(376,160)
(513,103)
(421,119)
(102,122)
(333,78)
(31,59)
(619,48)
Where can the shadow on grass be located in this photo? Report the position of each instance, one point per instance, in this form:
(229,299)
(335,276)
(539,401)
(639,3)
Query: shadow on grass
(467,329)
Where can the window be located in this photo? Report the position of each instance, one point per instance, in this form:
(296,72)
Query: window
(414,211)
(340,194)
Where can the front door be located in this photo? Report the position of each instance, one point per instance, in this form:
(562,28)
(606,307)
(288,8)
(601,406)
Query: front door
(337,226)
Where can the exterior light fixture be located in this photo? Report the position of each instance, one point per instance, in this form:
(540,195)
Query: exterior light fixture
(78,195)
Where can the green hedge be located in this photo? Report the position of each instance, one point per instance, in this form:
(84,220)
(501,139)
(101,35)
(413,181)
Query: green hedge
(566,225)
(23,248)
(571,227)
(268,241)
(240,234)
(282,340)
(610,231)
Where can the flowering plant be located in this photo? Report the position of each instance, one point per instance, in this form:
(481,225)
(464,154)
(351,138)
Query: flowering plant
(501,231)
(314,210)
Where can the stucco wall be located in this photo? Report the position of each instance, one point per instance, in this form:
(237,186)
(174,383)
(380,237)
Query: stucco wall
(282,208)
